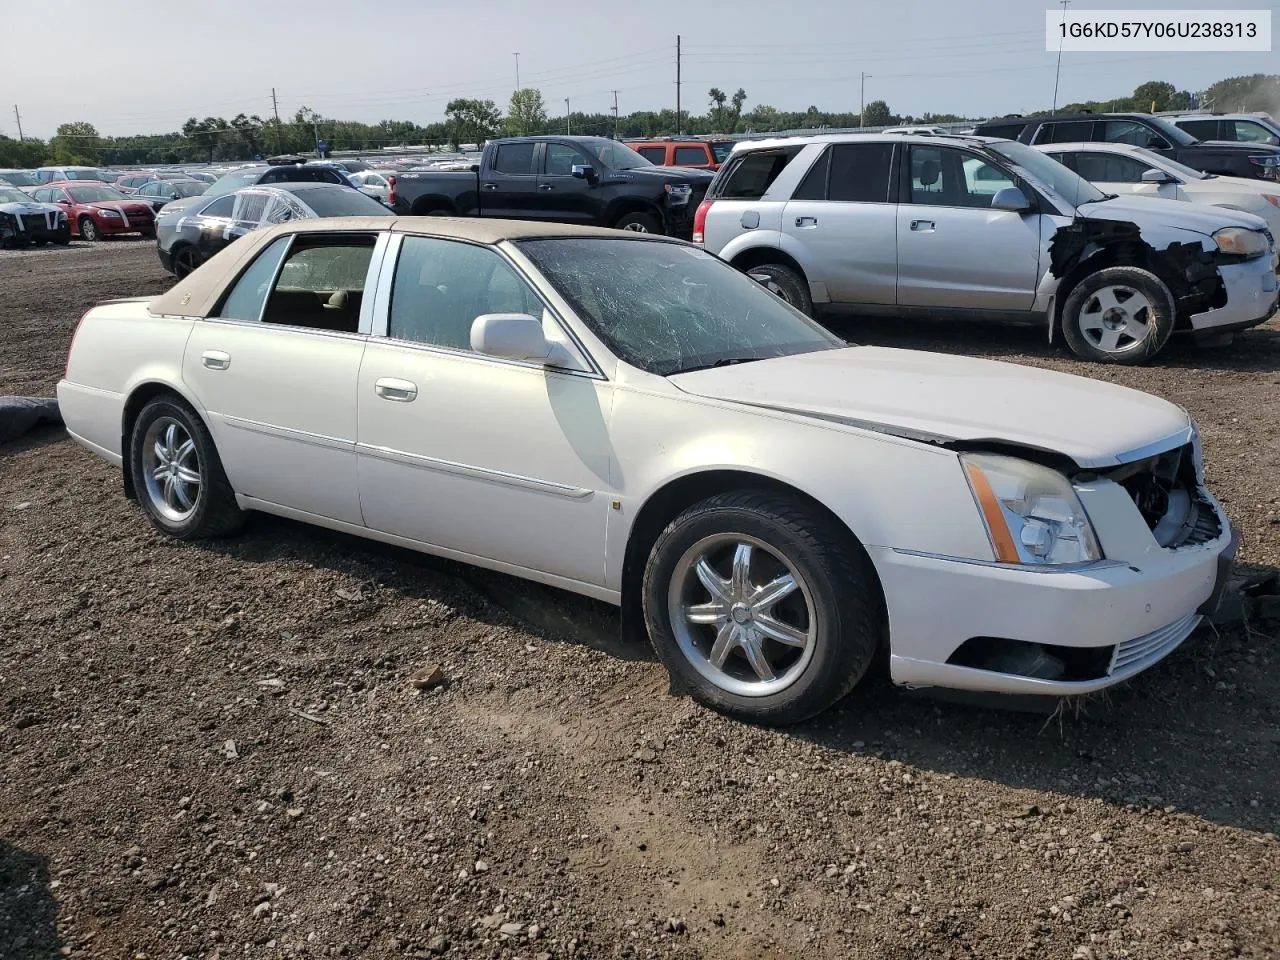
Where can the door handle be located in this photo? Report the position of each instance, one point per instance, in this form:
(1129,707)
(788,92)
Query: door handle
(806,221)
(924,225)
(488,186)
(545,186)
(390,388)
(215,359)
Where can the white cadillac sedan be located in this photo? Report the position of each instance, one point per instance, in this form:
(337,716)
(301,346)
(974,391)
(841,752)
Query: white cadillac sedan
(630,418)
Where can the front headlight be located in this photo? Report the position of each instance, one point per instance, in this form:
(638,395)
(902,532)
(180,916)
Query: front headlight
(1272,198)
(1241,241)
(1032,513)
(679,193)
(109,213)
(1266,159)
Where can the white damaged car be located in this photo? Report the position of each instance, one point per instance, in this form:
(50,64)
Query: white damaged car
(630,418)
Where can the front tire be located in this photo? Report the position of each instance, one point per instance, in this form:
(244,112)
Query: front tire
(88,229)
(185,259)
(785,283)
(759,609)
(177,474)
(638,223)
(1118,315)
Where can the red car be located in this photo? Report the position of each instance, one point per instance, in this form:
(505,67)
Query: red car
(96,210)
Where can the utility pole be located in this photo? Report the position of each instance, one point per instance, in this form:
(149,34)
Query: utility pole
(678,131)
(1057,73)
(517,56)
(615,114)
(275,108)
(862,109)
(17,116)
(566,116)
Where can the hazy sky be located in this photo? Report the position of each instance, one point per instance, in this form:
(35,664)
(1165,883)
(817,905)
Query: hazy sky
(140,66)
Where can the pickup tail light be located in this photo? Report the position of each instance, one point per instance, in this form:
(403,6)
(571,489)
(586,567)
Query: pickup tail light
(391,192)
(700,221)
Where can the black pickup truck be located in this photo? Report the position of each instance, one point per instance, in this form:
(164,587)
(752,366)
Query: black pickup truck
(585,180)
(1257,160)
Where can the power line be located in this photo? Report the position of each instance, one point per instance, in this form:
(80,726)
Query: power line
(17,116)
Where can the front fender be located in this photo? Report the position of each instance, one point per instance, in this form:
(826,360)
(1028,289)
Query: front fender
(889,491)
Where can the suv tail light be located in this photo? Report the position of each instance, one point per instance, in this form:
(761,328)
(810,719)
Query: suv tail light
(700,221)
(391,192)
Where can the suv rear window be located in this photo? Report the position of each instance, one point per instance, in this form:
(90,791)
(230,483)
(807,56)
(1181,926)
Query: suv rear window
(1009,131)
(686,156)
(750,176)
(1066,131)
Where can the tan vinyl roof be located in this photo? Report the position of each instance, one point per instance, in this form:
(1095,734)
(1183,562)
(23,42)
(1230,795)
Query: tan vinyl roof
(198,294)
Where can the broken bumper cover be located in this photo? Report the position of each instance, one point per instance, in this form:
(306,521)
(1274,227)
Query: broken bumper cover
(1252,292)
(1139,614)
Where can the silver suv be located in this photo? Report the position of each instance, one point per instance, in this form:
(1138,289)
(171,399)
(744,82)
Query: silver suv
(983,227)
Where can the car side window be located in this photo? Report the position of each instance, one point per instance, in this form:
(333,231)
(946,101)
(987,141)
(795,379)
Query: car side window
(321,283)
(221,207)
(656,155)
(1200,129)
(1247,131)
(1065,131)
(691,156)
(860,172)
(1130,131)
(1110,168)
(245,299)
(944,177)
(560,159)
(814,184)
(514,159)
(441,286)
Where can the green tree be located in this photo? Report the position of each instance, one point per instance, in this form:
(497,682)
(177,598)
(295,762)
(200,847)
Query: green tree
(877,114)
(472,121)
(205,135)
(1260,91)
(248,135)
(1164,96)
(76,142)
(725,111)
(526,114)
(22,153)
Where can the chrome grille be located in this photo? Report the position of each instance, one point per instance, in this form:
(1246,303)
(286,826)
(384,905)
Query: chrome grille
(1139,653)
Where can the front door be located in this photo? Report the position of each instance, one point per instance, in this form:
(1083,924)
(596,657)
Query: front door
(277,370)
(954,250)
(561,195)
(481,457)
(509,184)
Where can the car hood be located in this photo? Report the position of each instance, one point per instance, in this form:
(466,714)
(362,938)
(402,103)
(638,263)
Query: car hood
(939,398)
(1200,218)
(131,207)
(16,206)
(174,207)
(669,174)
(1235,146)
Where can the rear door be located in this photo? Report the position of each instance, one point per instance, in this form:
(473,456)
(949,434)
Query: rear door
(844,217)
(1206,129)
(509,181)
(954,250)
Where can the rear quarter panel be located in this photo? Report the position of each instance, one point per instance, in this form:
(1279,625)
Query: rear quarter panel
(117,348)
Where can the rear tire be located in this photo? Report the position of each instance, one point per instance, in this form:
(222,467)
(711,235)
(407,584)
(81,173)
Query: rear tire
(184,260)
(638,223)
(707,609)
(1118,315)
(177,474)
(785,283)
(88,229)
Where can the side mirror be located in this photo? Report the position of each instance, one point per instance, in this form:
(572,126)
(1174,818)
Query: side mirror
(1273,141)
(1155,175)
(515,336)
(1157,143)
(65,202)
(584,171)
(1011,199)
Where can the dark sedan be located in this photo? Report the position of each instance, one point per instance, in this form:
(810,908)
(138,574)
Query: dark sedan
(189,233)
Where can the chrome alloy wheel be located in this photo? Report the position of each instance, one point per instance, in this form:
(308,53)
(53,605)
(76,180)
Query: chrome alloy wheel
(742,615)
(1116,318)
(171,469)
(636,228)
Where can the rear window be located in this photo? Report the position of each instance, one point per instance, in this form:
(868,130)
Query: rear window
(722,151)
(1200,129)
(1066,131)
(750,176)
(514,159)
(860,172)
(690,156)
(656,155)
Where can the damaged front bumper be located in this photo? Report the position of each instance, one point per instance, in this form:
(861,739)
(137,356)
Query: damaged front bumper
(1252,293)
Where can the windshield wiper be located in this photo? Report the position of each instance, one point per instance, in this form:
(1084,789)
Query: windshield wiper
(722,362)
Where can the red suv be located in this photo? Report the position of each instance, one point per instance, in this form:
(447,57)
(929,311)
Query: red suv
(670,152)
(96,210)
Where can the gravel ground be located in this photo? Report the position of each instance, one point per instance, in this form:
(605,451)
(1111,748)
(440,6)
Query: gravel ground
(216,750)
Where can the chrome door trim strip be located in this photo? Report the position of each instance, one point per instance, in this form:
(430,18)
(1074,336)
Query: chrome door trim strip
(475,473)
(286,433)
